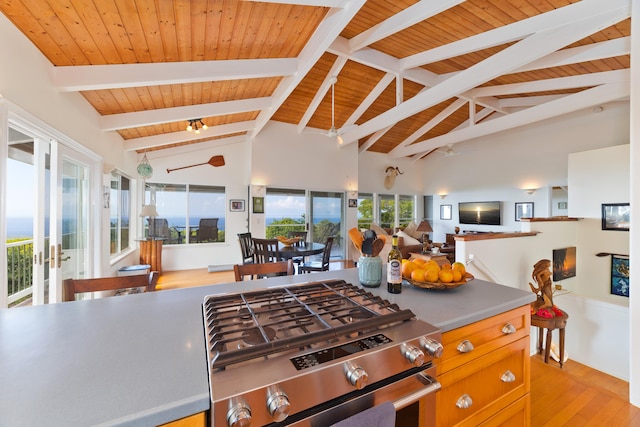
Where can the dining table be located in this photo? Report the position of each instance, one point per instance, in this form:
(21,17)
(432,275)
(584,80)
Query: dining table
(301,250)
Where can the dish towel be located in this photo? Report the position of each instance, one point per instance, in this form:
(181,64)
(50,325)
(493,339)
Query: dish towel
(383,415)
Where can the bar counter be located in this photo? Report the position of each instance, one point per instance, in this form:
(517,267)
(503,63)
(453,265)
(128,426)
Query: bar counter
(140,360)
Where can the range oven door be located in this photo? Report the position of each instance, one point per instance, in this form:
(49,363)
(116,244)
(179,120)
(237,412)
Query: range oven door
(412,394)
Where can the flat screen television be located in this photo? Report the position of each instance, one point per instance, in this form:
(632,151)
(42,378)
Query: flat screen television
(485,213)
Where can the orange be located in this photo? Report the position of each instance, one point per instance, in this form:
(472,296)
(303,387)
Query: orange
(431,275)
(446,266)
(419,261)
(457,275)
(407,269)
(418,275)
(460,267)
(432,264)
(446,276)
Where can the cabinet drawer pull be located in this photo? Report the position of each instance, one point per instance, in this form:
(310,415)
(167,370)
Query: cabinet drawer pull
(464,402)
(465,346)
(508,377)
(508,329)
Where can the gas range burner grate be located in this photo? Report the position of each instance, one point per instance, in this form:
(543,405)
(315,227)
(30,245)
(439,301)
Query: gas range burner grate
(245,326)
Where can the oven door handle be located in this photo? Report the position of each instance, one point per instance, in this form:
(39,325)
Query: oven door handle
(431,386)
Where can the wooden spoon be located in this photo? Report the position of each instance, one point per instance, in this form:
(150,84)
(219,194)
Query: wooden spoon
(377,247)
(214,161)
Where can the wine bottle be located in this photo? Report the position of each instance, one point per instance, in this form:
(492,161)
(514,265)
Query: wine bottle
(394,268)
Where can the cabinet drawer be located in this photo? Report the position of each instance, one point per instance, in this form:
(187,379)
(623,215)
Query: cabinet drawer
(518,414)
(485,385)
(484,336)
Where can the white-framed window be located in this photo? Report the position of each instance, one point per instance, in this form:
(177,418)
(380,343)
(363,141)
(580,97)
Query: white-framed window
(406,210)
(118,200)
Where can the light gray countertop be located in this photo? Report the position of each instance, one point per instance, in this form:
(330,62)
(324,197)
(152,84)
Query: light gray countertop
(140,360)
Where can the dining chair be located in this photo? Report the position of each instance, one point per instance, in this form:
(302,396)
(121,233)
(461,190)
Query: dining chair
(323,265)
(159,227)
(246,247)
(72,287)
(265,250)
(303,237)
(207,230)
(269,269)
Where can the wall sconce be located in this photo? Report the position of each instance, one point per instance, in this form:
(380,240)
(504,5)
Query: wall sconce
(530,191)
(195,125)
(442,196)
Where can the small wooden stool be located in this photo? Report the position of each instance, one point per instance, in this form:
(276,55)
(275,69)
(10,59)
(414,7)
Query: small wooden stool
(558,322)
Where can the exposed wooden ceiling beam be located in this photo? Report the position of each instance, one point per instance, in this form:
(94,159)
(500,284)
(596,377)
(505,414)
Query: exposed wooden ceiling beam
(400,21)
(98,77)
(585,99)
(503,62)
(184,136)
(173,114)
(328,30)
(513,32)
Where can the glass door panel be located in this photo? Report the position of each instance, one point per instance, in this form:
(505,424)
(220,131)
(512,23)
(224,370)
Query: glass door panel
(327,219)
(69,257)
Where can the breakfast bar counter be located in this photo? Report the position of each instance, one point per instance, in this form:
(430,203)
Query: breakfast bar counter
(140,359)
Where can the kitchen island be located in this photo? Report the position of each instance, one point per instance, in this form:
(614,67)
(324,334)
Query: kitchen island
(140,360)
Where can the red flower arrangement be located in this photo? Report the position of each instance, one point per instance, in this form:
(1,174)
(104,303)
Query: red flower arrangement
(547,313)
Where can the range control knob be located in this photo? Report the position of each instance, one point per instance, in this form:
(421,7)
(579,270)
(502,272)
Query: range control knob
(356,376)
(239,415)
(413,354)
(278,405)
(432,347)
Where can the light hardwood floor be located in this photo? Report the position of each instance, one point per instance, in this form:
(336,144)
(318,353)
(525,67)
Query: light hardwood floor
(574,395)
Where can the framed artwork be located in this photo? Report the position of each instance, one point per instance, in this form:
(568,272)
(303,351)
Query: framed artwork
(236,205)
(106,196)
(564,263)
(353,203)
(620,275)
(258,205)
(445,211)
(615,216)
(524,210)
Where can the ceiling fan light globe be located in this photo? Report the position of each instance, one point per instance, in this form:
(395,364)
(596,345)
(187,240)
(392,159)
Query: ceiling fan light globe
(340,140)
(189,128)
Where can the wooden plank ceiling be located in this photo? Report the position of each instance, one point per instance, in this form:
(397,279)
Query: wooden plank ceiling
(412,76)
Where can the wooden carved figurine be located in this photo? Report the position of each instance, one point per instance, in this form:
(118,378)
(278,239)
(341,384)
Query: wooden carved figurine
(544,289)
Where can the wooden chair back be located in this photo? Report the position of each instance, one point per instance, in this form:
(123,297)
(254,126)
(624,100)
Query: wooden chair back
(301,234)
(71,287)
(324,264)
(159,227)
(246,247)
(281,268)
(207,230)
(265,250)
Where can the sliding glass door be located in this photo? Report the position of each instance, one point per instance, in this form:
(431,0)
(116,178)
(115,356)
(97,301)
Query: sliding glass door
(326,217)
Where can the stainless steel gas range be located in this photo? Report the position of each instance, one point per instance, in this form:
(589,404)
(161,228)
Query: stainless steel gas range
(316,353)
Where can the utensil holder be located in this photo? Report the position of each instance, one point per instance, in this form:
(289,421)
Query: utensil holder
(370,271)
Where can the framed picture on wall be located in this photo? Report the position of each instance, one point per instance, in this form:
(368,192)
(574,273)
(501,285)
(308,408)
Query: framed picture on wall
(620,275)
(445,211)
(353,203)
(236,205)
(615,216)
(524,210)
(258,205)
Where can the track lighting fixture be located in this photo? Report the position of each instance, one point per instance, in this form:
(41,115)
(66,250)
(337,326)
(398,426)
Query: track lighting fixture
(195,125)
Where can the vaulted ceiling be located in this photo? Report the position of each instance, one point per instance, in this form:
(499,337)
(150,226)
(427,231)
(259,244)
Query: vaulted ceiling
(410,76)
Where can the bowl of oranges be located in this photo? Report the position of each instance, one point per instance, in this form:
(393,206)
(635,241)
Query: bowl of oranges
(433,275)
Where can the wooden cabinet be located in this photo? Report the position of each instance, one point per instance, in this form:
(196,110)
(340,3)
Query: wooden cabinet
(485,372)
(195,420)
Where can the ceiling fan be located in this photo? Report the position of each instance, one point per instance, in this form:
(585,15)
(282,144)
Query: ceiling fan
(449,152)
(333,132)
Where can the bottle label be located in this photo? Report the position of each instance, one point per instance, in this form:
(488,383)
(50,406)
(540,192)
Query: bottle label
(394,271)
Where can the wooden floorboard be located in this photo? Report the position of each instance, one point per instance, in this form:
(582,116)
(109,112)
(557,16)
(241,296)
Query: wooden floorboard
(577,395)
